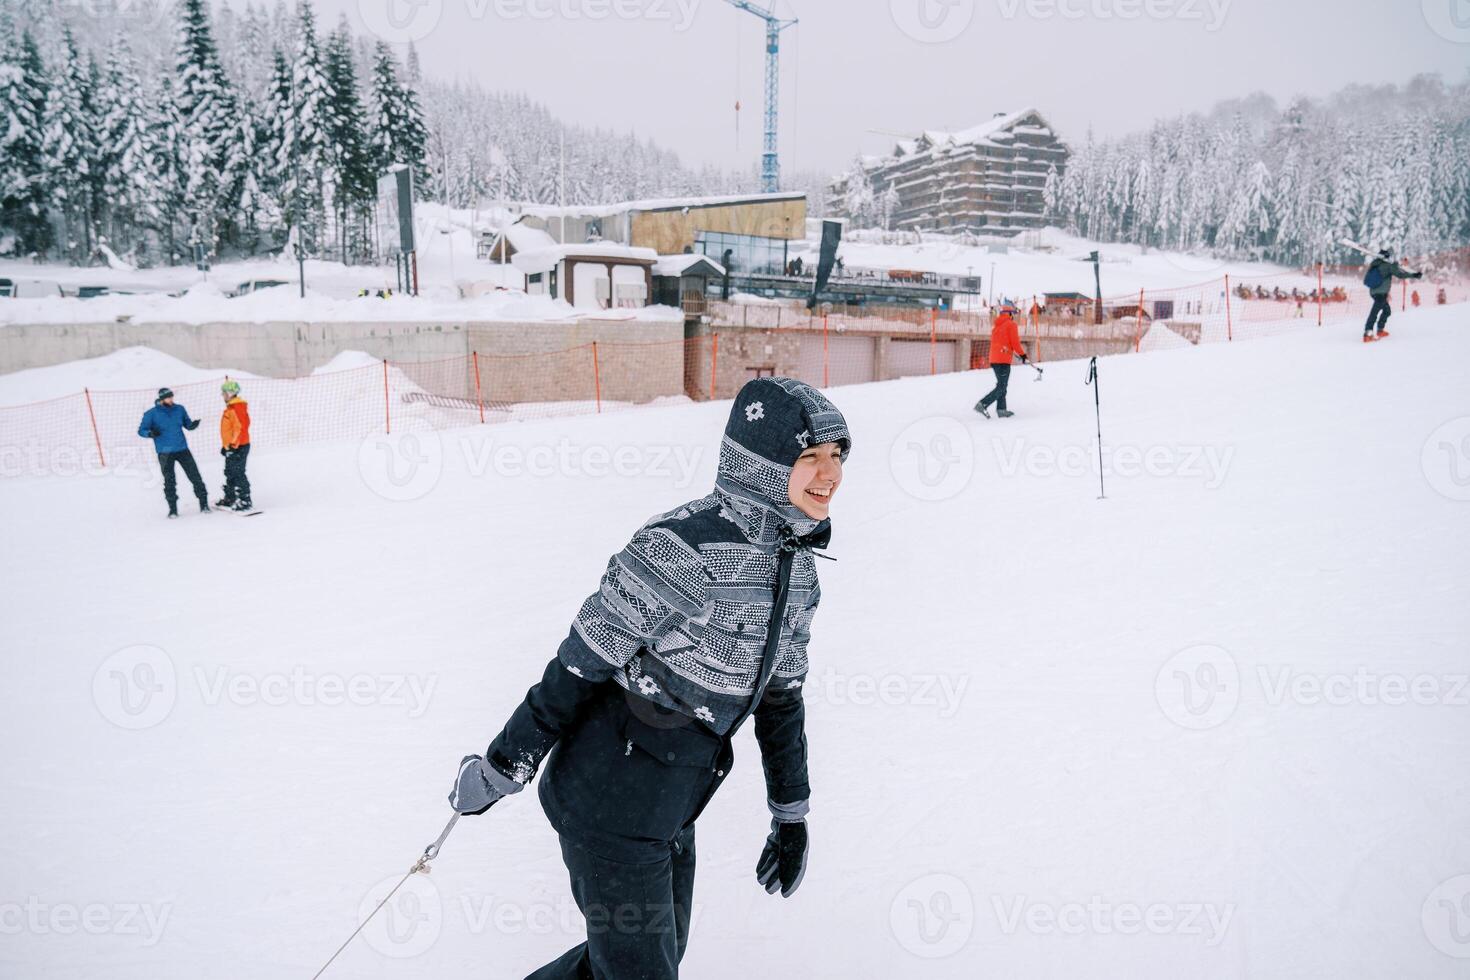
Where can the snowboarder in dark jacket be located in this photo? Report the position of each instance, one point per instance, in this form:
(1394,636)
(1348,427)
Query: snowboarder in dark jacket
(700,622)
(1382,271)
(165,423)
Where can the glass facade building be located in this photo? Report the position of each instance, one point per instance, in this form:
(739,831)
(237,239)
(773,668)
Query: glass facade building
(749,254)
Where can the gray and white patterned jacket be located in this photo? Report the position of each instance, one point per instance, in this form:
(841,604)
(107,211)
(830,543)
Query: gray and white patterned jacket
(681,615)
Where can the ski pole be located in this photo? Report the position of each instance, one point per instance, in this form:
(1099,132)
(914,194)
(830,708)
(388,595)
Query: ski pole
(421,865)
(1034,368)
(1097,408)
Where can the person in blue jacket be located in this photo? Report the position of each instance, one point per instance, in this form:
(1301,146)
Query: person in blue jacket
(165,423)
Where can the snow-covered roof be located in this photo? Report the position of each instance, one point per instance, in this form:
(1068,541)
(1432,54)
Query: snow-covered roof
(537,260)
(997,127)
(524,238)
(678,265)
(657,204)
(520,238)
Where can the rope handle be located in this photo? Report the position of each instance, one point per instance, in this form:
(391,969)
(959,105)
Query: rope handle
(419,866)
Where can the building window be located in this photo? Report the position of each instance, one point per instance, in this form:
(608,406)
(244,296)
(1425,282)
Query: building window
(748,254)
(751,373)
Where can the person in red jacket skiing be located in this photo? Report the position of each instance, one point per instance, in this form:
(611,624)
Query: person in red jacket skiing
(1005,343)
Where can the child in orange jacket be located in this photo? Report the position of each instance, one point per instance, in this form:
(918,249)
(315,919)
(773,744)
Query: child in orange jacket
(1005,343)
(234,437)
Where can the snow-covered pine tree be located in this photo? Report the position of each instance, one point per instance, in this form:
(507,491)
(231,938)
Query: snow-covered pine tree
(168,164)
(412,75)
(209,143)
(305,151)
(23,179)
(398,131)
(354,176)
(859,202)
(130,182)
(888,203)
(275,129)
(69,150)
(413,139)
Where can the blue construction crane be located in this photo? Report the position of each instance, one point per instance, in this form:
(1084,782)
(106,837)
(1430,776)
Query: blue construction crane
(770,165)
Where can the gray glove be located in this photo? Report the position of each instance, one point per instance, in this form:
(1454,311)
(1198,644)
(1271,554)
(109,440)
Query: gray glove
(479,785)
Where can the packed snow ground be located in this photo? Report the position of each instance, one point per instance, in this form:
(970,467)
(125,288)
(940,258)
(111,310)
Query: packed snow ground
(1212,726)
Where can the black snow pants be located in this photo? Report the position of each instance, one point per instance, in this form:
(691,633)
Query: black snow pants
(998,393)
(237,486)
(623,788)
(185,459)
(1382,310)
(637,914)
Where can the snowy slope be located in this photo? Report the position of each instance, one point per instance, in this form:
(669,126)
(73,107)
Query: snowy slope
(1011,775)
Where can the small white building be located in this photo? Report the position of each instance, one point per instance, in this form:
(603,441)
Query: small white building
(590,275)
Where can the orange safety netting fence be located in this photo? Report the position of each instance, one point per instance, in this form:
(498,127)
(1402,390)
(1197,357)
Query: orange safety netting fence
(94,430)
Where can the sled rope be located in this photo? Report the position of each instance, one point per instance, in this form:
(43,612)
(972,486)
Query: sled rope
(422,864)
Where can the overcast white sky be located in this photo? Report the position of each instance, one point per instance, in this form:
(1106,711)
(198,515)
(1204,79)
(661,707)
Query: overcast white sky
(668,69)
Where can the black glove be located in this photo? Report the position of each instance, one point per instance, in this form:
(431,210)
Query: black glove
(783,861)
(154,433)
(223,451)
(191,426)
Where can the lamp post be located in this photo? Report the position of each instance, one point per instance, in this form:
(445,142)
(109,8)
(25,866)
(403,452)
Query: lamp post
(1097,282)
(448,232)
(300,263)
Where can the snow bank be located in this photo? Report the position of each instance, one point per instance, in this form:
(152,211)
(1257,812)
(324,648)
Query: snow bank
(128,368)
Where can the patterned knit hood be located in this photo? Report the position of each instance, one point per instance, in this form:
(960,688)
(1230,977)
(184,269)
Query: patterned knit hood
(772,422)
(683,615)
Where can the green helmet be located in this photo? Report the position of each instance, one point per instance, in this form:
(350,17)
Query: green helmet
(231,388)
